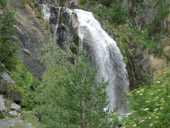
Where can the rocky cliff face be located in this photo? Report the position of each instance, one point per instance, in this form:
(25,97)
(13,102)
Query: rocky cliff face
(159,65)
(31,34)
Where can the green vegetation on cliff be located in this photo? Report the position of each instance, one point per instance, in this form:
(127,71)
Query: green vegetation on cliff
(8,48)
(9,58)
(149,105)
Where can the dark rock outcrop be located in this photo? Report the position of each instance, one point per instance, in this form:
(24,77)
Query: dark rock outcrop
(16,96)
(32,64)
(3,87)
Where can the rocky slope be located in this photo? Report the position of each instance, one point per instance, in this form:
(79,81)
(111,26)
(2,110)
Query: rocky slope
(31,34)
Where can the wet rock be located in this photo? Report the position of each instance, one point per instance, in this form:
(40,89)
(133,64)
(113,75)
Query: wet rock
(13,113)
(15,106)
(15,96)
(2,105)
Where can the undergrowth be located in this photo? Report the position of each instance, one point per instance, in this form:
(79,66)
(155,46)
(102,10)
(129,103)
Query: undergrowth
(24,81)
(149,105)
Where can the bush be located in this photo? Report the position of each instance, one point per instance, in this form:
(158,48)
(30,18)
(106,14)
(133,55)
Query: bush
(2,115)
(106,2)
(117,13)
(82,2)
(150,105)
(39,15)
(3,3)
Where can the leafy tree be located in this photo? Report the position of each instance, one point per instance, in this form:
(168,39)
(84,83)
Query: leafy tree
(70,96)
(8,48)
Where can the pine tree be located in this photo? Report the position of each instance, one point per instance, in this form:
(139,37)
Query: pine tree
(84,99)
(70,97)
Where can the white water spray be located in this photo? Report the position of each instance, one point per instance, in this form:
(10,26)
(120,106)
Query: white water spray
(45,12)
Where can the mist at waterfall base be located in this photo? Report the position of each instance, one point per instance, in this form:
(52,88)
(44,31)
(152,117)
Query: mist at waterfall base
(104,54)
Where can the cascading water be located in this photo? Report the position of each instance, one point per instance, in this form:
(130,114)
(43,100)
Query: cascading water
(46,15)
(45,12)
(57,24)
(106,55)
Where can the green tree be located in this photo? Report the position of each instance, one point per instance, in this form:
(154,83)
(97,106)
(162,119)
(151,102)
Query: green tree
(70,96)
(8,48)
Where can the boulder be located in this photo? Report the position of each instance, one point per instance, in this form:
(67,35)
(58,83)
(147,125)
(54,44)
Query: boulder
(13,113)
(15,96)
(3,87)
(6,77)
(15,106)
(2,105)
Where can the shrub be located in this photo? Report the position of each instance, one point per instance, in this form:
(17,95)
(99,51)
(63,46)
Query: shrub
(82,2)
(106,2)
(150,105)
(117,13)
(3,3)
(39,15)
(2,115)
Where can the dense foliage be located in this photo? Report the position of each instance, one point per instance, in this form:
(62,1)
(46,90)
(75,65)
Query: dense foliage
(149,105)
(8,48)
(70,95)
(3,3)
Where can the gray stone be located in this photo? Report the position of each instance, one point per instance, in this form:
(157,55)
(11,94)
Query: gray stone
(34,67)
(2,105)
(13,113)
(7,123)
(14,122)
(6,77)
(15,106)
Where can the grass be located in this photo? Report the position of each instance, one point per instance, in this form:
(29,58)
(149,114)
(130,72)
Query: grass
(24,80)
(28,119)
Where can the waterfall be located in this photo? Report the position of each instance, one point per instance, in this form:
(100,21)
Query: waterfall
(46,16)
(104,54)
(57,24)
(45,12)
